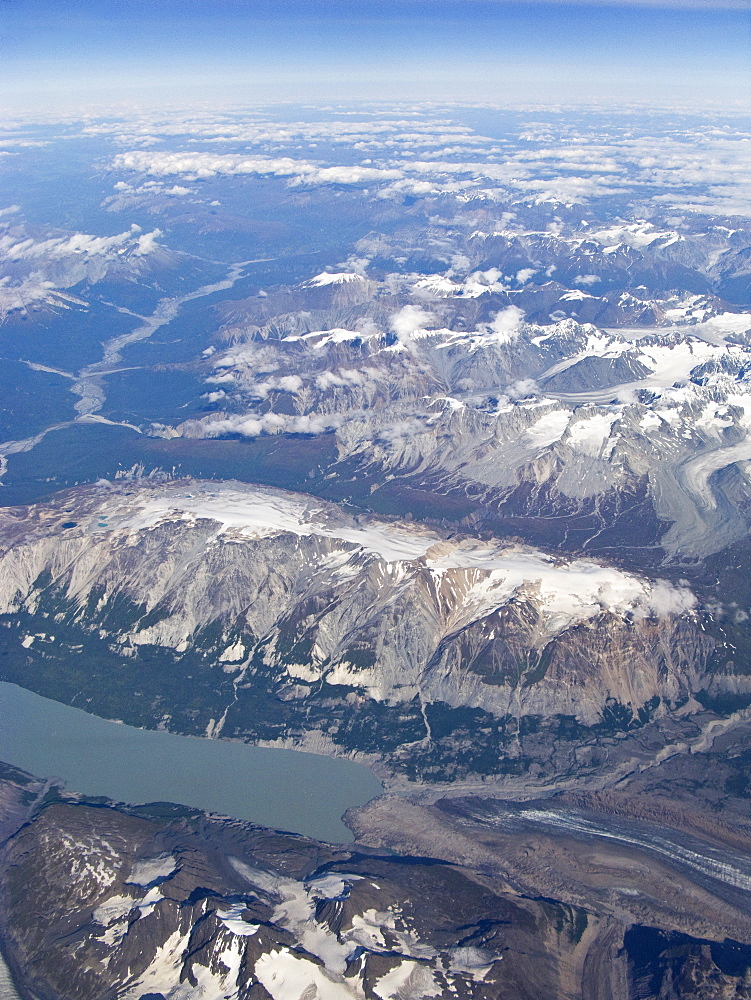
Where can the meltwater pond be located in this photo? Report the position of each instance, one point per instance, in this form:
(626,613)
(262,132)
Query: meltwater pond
(284,789)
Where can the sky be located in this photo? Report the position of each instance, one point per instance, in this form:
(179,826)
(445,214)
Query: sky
(78,52)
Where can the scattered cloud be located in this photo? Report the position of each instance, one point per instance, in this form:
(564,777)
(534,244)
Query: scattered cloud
(254,425)
(409,320)
(201,166)
(14,247)
(507,324)
(37,270)
(701,168)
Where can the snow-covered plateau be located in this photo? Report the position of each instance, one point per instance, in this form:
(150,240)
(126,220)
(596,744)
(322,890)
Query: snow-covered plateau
(268,597)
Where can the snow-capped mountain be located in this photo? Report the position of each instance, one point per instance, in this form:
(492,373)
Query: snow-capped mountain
(105,899)
(361,635)
(563,419)
(504,377)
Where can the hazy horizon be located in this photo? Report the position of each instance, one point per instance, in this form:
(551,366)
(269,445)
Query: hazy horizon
(65,55)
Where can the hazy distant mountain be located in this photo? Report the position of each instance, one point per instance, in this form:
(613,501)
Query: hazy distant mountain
(420,436)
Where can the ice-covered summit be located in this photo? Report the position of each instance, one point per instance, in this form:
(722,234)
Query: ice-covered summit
(339,278)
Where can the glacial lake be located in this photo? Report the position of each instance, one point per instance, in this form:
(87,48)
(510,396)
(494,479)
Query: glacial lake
(284,789)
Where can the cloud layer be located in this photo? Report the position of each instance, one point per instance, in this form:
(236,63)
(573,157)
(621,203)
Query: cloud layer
(701,168)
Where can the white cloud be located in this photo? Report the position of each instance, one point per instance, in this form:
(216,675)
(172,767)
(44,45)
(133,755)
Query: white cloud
(569,190)
(522,389)
(257,390)
(206,165)
(254,425)
(507,324)
(147,243)
(398,429)
(30,291)
(336,380)
(39,268)
(587,279)
(13,248)
(664,598)
(421,156)
(409,320)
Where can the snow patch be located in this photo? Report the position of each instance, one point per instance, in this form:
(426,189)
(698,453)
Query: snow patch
(113,909)
(233,653)
(548,429)
(588,436)
(146,872)
(232,919)
(407,981)
(332,885)
(260,513)
(287,977)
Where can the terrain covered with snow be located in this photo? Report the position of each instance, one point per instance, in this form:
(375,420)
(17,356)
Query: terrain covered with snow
(416,434)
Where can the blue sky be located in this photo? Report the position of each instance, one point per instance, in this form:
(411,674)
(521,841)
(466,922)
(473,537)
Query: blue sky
(80,51)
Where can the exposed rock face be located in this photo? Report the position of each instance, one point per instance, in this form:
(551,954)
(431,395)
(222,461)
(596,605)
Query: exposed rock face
(159,901)
(551,671)
(385,636)
(211,909)
(541,354)
(460,395)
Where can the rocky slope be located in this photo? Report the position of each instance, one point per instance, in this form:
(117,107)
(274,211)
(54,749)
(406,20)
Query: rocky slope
(165,902)
(536,342)
(575,434)
(442,655)
(195,907)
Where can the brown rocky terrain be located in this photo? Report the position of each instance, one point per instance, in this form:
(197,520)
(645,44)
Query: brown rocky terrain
(159,901)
